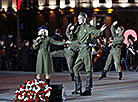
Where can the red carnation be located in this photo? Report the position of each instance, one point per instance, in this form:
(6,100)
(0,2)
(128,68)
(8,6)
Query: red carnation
(42,96)
(28,87)
(31,100)
(20,86)
(26,82)
(45,83)
(37,99)
(30,82)
(38,93)
(41,101)
(43,92)
(49,89)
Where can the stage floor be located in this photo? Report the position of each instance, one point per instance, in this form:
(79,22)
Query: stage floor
(108,90)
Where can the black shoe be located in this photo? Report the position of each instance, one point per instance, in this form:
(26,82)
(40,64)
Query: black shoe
(86,93)
(77,92)
(120,76)
(78,86)
(103,74)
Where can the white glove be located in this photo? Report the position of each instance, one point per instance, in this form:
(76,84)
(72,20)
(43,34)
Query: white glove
(103,27)
(115,23)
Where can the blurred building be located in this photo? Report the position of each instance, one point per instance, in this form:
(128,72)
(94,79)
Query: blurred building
(58,13)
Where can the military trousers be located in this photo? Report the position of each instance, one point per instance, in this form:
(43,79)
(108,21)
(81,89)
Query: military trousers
(68,54)
(114,55)
(83,61)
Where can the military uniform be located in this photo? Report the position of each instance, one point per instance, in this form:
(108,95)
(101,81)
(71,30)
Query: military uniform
(114,53)
(84,36)
(68,53)
(44,61)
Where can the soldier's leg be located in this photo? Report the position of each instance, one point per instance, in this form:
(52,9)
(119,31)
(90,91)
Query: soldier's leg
(116,57)
(76,69)
(57,57)
(88,67)
(108,62)
(69,59)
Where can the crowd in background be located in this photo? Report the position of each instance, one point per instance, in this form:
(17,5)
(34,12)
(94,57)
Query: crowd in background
(23,58)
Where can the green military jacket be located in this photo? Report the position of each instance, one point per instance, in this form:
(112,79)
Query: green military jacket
(84,36)
(44,62)
(118,38)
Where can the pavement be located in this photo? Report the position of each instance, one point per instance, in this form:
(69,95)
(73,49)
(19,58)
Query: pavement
(109,89)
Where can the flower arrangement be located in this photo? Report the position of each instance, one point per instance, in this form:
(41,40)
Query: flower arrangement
(32,91)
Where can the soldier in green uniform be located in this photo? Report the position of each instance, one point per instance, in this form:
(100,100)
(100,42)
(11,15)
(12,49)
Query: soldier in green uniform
(84,34)
(68,52)
(44,61)
(115,50)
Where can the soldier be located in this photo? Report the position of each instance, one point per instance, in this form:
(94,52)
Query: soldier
(115,50)
(44,62)
(84,34)
(68,52)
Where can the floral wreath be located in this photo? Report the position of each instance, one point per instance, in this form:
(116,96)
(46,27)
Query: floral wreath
(33,91)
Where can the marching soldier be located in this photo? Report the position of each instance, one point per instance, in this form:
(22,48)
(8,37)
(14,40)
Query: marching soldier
(115,51)
(84,34)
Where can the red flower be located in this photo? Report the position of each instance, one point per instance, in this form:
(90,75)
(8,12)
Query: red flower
(49,89)
(38,93)
(43,92)
(31,100)
(37,99)
(33,85)
(26,82)
(25,94)
(43,96)
(20,86)
(45,83)
(33,81)
(28,87)
(41,101)
(20,100)
(29,82)
(28,96)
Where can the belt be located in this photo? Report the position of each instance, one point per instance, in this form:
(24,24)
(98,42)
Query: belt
(84,45)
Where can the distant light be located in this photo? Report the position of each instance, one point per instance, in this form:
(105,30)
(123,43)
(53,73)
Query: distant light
(124,5)
(61,11)
(72,13)
(96,10)
(52,7)
(51,12)
(85,5)
(38,12)
(71,10)
(110,10)
(41,7)
(96,3)
(14,14)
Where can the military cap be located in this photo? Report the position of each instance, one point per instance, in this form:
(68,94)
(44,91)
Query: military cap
(83,14)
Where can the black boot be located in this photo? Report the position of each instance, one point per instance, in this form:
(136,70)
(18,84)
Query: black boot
(88,89)
(78,86)
(103,74)
(120,76)
(47,81)
(72,76)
